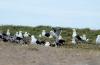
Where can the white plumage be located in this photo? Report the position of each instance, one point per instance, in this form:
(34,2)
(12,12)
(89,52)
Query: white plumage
(74,33)
(53,34)
(98,39)
(73,41)
(60,37)
(20,34)
(84,37)
(16,34)
(26,34)
(43,32)
(8,32)
(74,36)
(33,39)
(47,44)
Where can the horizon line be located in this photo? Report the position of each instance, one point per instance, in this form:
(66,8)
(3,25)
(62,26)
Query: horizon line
(48,26)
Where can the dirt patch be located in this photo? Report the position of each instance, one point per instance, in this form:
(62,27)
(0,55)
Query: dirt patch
(12,54)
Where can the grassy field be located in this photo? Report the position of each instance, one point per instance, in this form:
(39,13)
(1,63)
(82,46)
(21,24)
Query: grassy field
(66,32)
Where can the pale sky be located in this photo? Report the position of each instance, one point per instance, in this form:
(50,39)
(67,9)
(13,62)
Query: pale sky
(63,13)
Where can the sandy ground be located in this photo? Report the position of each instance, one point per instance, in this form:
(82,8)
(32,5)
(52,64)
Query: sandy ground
(11,54)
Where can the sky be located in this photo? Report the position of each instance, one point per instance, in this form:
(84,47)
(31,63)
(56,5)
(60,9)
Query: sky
(63,13)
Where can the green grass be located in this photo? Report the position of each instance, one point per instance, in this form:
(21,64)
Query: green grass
(66,32)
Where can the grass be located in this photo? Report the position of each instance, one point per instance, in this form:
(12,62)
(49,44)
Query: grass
(66,34)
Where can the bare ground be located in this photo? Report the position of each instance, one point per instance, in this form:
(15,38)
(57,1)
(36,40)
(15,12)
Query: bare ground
(12,54)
